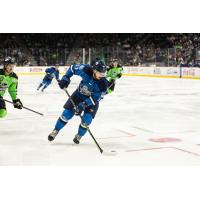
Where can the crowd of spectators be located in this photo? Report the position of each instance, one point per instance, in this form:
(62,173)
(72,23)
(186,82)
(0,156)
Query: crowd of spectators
(133,49)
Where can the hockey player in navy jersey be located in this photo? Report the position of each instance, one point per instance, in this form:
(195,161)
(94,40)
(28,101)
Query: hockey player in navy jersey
(51,73)
(86,97)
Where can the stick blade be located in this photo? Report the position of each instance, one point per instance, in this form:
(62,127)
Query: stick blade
(109,153)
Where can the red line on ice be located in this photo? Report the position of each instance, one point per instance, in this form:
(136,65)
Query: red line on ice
(115,137)
(193,153)
(156,148)
(125,132)
(164,140)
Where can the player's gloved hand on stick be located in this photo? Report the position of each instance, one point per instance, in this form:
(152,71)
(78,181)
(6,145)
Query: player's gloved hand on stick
(119,75)
(48,75)
(17,104)
(79,109)
(64,82)
(1,102)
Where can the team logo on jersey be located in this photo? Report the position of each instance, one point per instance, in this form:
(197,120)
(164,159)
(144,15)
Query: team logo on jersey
(84,90)
(3,86)
(14,80)
(114,73)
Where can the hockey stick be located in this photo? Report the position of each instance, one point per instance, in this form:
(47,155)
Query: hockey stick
(88,129)
(25,108)
(111,84)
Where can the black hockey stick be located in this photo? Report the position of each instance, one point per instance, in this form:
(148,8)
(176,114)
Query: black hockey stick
(25,108)
(88,129)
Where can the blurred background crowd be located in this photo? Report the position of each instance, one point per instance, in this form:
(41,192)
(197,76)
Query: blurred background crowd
(141,49)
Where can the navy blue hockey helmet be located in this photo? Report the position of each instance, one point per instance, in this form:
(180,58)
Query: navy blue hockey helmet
(95,60)
(99,66)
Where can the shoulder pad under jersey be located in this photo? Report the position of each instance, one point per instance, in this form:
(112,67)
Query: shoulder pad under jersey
(88,70)
(14,75)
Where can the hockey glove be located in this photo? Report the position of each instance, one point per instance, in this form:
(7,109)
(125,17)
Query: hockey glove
(119,75)
(17,104)
(109,91)
(2,103)
(64,82)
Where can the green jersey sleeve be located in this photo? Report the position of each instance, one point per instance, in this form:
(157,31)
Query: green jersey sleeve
(13,90)
(9,82)
(114,73)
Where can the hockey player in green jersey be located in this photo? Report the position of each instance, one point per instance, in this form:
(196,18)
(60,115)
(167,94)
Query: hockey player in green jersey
(114,72)
(8,80)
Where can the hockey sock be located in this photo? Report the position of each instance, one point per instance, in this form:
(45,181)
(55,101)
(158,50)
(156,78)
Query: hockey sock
(63,119)
(82,131)
(44,87)
(40,86)
(87,119)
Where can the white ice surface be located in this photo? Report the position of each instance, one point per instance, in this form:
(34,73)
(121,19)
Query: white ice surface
(140,109)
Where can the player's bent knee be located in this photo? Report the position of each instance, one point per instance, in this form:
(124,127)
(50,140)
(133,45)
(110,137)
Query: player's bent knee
(63,119)
(67,115)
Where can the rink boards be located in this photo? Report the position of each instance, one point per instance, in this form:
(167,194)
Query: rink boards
(164,72)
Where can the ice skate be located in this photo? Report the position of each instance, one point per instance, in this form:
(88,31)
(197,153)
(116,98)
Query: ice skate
(77,138)
(52,135)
